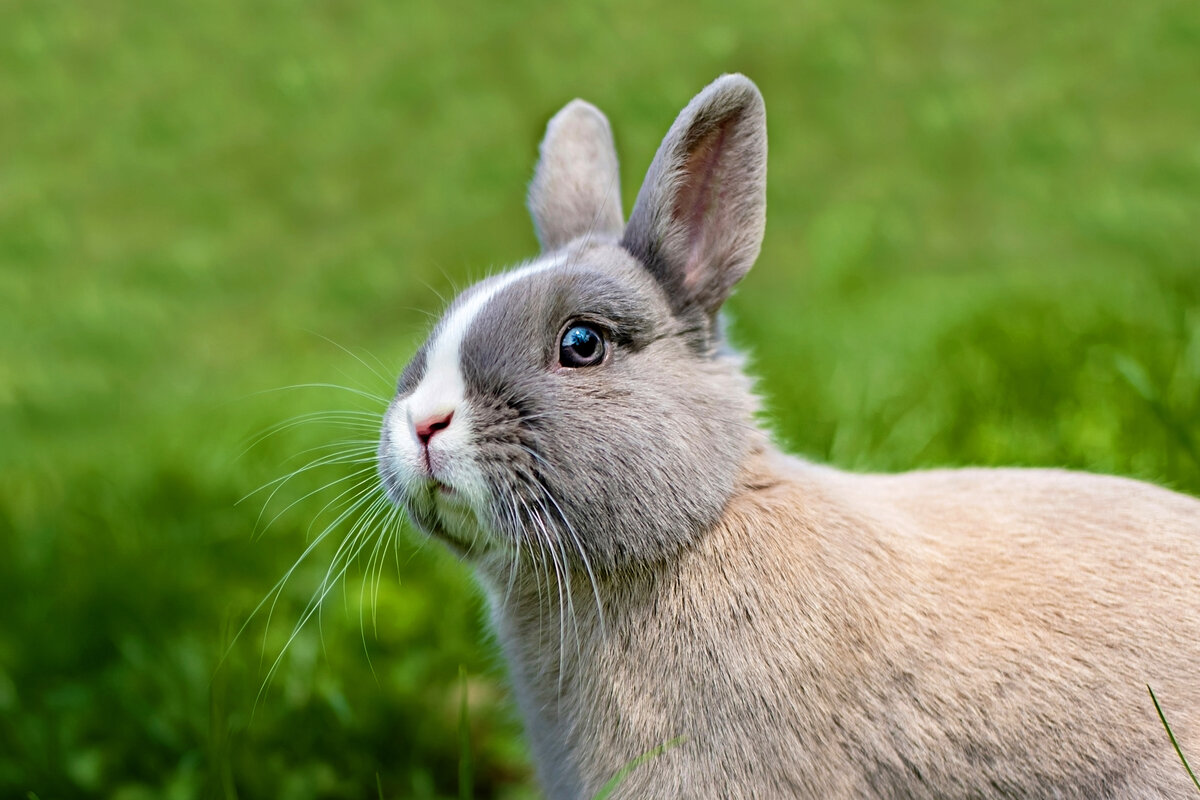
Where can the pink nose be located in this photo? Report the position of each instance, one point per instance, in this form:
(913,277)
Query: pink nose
(426,428)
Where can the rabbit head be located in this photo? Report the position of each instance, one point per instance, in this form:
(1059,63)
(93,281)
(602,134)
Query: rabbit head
(586,398)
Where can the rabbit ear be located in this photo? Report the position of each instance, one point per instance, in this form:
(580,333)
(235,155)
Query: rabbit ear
(576,189)
(698,221)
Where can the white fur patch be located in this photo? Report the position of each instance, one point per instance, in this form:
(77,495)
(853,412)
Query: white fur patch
(441,390)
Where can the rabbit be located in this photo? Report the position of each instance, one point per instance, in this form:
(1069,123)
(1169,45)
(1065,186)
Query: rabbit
(661,575)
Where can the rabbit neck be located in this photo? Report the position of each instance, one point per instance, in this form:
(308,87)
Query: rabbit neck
(607,670)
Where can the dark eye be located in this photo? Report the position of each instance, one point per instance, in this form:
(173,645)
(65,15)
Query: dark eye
(581,346)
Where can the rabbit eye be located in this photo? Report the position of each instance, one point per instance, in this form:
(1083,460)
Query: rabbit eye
(581,346)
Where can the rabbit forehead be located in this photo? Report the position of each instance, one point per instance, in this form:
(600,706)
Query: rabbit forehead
(604,291)
(441,388)
(514,306)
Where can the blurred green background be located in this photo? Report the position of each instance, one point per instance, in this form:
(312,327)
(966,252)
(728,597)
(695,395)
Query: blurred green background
(983,247)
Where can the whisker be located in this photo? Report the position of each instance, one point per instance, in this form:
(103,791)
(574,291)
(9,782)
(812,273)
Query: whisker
(345,554)
(562,587)
(515,555)
(352,354)
(534,562)
(362,496)
(371,579)
(579,548)
(357,447)
(272,597)
(349,418)
(359,392)
(358,473)
(570,608)
(357,456)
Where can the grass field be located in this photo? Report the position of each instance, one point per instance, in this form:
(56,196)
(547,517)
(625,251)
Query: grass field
(983,247)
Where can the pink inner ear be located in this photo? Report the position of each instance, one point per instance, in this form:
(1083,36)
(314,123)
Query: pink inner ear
(697,199)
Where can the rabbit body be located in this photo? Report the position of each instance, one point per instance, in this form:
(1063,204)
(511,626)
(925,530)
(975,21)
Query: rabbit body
(968,633)
(579,431)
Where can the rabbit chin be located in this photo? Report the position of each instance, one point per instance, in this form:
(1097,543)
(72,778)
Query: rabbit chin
(450,516)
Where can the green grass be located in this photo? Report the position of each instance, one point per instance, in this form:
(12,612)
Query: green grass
(623,773)
(1174,743)
(981,249)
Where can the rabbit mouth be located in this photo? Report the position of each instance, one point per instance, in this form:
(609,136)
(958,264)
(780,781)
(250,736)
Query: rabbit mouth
(434,488)
(447,513)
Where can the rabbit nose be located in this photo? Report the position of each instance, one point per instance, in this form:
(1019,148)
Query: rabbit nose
(426,428)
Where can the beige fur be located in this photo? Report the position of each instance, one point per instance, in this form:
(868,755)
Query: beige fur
(969,633)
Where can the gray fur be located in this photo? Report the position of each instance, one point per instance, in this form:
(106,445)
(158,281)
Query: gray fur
(657,568)
(698,220)
(611,434)
(577,187)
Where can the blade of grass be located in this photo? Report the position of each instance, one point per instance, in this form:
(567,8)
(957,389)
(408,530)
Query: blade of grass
(623,773)
(465,788)
(1171,736)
